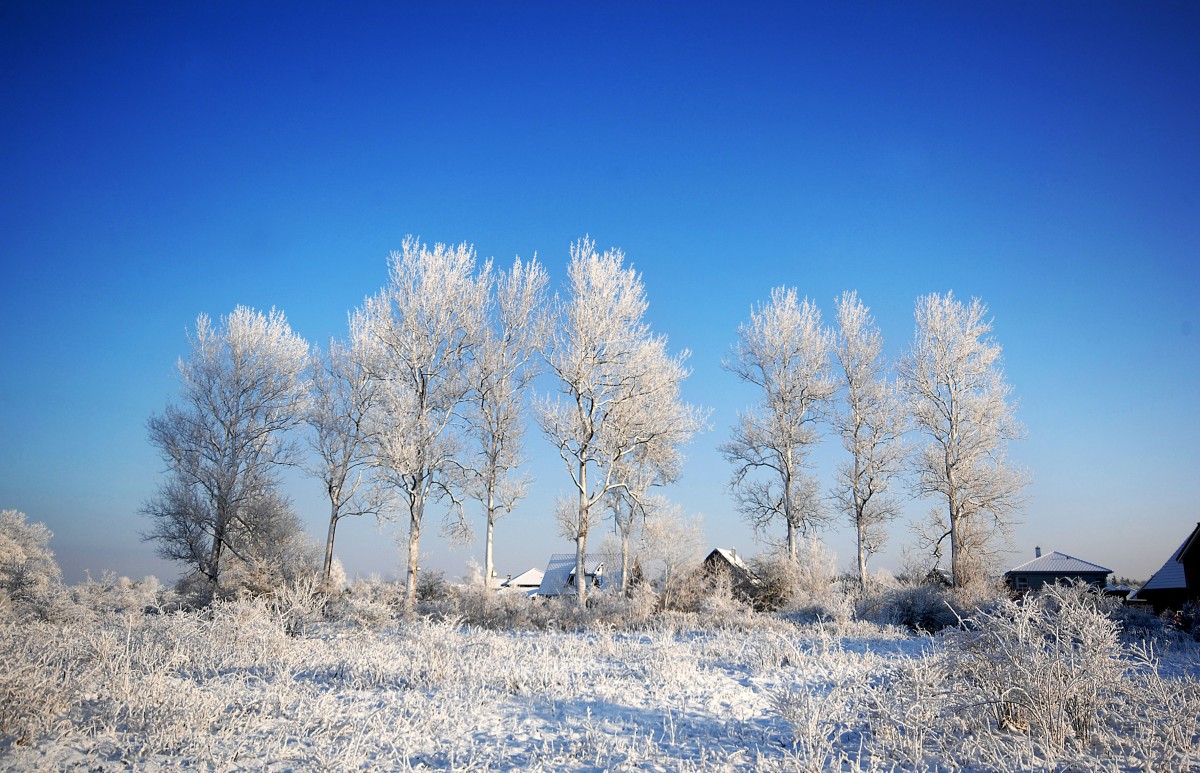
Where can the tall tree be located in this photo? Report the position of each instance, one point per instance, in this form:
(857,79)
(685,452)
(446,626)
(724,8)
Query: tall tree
(343,395)
(871,426)
(784,351)
(243,385)
(958,398)
(619,388)
(504,367)
(417,337)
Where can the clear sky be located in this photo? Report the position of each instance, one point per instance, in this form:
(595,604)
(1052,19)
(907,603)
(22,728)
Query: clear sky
(159,160)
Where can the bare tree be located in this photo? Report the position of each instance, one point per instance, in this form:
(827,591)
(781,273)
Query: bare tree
(630,508)
(784,351)
(343,395)
(619,389)
(672,546)
(504,367)
(958,399)
(244,385)
(417,337)
(871,427)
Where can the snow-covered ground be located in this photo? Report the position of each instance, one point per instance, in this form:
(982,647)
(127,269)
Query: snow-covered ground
(231,689)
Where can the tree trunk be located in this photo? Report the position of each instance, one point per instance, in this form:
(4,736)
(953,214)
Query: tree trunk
(787,515)
(414,538)
(214,561)
(333,519)
(862,557)
(489,566)
(624,561)
(581,540)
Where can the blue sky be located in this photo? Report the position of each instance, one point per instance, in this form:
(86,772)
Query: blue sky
(163,160)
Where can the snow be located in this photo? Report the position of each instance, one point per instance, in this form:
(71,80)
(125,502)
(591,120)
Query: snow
(228,689)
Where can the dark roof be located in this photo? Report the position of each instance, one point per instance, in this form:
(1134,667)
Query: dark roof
(1170,576)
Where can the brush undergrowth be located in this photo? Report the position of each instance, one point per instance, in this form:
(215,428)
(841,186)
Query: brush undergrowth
(301,680)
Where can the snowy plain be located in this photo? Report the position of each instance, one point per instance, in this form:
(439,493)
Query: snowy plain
(249,686)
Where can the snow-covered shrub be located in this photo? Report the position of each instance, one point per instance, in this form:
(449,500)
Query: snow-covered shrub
(808,585)
(38,679)
(29,575)
(116,595)
(434,594)
(1040,665)
(920,607)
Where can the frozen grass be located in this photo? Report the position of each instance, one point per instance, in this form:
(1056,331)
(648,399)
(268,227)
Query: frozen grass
(254,684)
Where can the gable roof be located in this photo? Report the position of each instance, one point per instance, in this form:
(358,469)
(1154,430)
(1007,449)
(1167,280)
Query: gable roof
(556,580)
(1170,576)
(529,578)
(731,555)
(1059,563)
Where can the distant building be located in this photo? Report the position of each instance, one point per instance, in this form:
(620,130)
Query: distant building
(1053,568)
(744,583)
(525,582)
(559,577)
(1178,581)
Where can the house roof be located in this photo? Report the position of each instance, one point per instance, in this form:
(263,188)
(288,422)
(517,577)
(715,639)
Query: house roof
(1170,576)
(1059,563)
(527,579)
(560,567)
(730,555)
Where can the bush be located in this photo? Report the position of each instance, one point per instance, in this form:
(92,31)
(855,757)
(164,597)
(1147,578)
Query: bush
(1040,665)
(29,575)
(922,607)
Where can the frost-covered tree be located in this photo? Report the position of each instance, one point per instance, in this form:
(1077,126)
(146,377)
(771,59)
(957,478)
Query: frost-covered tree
(417,337)
(958,399)
(618,389)
(343,394)
(275,551)
(503,368)
(784,351)
(244,385)
(27,566)
(871,423)
(671,546)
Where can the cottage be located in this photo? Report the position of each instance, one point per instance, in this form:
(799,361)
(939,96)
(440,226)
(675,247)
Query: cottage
(527,581)
(1178,581)
(744,583)
(559,577)
(1053,568)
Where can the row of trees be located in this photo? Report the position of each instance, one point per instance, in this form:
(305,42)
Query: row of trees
(424,404)
(949,389)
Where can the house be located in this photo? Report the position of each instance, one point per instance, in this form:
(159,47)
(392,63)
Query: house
(1052,568)
(1178,581)
(527,581)
(744,583)
(559,577)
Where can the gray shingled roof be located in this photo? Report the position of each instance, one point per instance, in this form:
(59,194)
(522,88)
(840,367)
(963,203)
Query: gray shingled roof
(1059,563)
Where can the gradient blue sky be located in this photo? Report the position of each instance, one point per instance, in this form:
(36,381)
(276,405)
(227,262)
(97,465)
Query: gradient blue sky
(165,159)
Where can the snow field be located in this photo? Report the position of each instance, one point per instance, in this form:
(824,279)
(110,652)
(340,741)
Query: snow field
(229,688)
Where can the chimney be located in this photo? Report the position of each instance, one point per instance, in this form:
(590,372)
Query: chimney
(1037,552)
